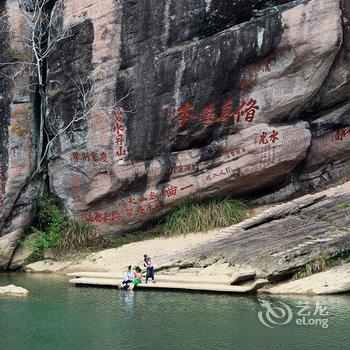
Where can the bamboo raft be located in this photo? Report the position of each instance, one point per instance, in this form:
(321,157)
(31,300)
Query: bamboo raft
(96,279)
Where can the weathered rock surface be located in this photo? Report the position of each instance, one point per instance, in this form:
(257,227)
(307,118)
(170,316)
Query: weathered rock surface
(13,290)
(328,156)
(336,280)
(156,103)
(336,87)
(17,133)
(22,254)
(279,241)
(48,266)
(178,131)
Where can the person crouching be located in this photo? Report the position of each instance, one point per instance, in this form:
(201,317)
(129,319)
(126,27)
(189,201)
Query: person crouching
(137,278)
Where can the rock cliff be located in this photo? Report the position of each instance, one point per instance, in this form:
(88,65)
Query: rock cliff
(281,240)
(150,104)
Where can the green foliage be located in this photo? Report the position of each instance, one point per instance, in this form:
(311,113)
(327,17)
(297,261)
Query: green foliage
(78,235)
(340,257)
(196,217)
(323,262)
(319,264)
(205,216)
(326,212)
(50,222)
(53,232)
(343,206)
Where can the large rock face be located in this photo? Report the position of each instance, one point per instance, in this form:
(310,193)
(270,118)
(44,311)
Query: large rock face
(336,87)
(17,134)
(160,102)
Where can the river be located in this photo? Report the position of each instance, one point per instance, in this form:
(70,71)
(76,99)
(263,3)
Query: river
(59,316)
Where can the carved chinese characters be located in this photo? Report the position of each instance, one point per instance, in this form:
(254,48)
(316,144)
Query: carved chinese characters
(93,157)
(342,135)
(251,72)
(244,154)
(245,111)
(119,134)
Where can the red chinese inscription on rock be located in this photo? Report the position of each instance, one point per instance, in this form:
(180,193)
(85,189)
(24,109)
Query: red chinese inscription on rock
(135,206)
(119,134)
(268,137)
(180,169)
(76,184)
(341,135)
(120,214)
(219,173)
(245,111)
(232,154)
(251,72)
(268,156)
(93,157)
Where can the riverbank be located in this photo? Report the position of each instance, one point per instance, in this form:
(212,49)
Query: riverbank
(291,240)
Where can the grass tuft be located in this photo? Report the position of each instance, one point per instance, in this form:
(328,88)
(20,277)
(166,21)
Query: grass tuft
(78,235)
(343,206)
(323,262)
(187,218)
(203,217)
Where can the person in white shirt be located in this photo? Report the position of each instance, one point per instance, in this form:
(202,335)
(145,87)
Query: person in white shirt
(128,277)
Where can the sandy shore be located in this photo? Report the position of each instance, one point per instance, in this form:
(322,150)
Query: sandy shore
(115,260)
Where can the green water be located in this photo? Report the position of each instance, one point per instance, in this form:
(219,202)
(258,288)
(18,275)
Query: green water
(58,316)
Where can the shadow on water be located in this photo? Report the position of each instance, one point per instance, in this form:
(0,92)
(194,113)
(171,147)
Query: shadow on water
(57,315)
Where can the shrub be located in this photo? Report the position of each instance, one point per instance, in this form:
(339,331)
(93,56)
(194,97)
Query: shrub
(52,231)
(50,222)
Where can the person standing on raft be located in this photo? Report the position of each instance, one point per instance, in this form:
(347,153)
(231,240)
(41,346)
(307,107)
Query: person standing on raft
(150,270)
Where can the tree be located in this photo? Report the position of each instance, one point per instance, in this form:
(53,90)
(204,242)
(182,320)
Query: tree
(43,32)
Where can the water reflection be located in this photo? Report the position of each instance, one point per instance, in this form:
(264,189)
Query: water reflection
(127,299)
